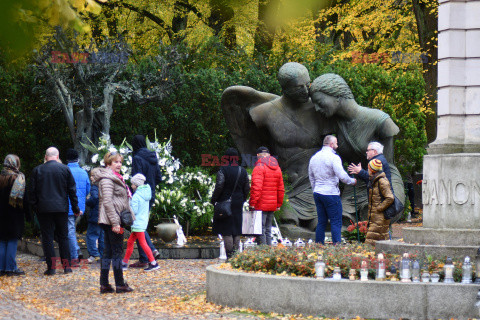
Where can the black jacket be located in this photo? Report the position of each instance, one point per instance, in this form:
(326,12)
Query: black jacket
(146,163)
(92,203)
(226,177)
(51,186)
(12,218)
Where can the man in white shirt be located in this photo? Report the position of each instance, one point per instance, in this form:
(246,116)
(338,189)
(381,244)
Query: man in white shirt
(325,171)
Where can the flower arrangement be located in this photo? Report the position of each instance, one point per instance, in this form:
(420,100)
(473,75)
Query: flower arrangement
(188,198)
(184,192)
(351,232)
(104,146)
(293,261)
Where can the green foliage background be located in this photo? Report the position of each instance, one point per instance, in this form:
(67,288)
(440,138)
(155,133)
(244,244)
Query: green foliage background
(191,114)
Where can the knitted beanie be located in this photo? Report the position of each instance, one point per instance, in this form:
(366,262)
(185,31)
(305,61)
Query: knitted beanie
(375,165)
(138,179)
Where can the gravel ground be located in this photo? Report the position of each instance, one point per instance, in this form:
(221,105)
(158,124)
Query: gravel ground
(175,291)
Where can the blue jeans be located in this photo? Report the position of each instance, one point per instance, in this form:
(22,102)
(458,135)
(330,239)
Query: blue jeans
(94,233)
(72,238)
(143,257)
(328,208)
(8,251)
(266,236)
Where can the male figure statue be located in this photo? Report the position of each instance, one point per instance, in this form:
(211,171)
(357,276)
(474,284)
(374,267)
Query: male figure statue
(291,128)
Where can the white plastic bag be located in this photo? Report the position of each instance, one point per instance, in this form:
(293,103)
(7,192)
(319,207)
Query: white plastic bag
(252,222)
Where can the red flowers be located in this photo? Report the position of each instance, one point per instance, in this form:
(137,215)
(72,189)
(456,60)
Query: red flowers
(351,232)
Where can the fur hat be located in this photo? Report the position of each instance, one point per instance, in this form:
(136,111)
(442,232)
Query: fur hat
(138,179)
(375,165)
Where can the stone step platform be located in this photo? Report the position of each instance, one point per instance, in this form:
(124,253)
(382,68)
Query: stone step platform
(195,248)
(437,251)
(341,299)
(447,237)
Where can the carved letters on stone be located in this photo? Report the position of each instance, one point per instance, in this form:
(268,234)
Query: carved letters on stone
(446,192)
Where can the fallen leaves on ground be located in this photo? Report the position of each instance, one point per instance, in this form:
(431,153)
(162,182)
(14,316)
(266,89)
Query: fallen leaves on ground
(175,291)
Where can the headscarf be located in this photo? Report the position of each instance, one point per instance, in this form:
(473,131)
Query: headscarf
(138,142)
(11,167)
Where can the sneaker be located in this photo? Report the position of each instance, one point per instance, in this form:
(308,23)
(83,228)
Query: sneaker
(138,264)
(92,259)
(125,266)
(152,267)
(156,254)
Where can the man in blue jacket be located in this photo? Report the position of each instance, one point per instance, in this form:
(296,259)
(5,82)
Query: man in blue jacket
(374,151)
(83,188)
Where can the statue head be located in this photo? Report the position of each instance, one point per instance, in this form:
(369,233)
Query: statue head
(294,80)
(327,91)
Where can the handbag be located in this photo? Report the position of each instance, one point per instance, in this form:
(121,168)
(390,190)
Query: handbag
(126,218)
(223,209)
(252,222)
(395,209)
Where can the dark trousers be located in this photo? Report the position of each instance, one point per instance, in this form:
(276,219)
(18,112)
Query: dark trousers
(411,195)
(54,224)
(112,255)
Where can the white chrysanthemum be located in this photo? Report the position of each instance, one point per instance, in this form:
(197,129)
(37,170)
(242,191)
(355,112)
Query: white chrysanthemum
(95,158)
(162,162)
(123,169)
(112,149)
(126,176)
(102,163)
(170,180)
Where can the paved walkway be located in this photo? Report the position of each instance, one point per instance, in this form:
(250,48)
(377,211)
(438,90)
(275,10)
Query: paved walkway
(175,291)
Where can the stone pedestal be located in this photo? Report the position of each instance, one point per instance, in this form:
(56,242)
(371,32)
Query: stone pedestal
(451,170)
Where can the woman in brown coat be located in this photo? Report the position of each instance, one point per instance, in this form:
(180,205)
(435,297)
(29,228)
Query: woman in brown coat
(113,197)
(380,197)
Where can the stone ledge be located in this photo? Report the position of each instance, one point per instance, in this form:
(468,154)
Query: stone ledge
(341,299)
(193,252)
(437,251)
(450,237)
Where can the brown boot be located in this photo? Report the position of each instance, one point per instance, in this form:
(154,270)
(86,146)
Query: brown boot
(106,289)
(124,288)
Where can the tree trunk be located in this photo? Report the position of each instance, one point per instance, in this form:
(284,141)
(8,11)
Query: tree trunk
(265,31)
(426,27)
(221,16)
(179,21)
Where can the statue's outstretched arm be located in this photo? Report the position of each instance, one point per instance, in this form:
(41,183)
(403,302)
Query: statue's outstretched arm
(236,103)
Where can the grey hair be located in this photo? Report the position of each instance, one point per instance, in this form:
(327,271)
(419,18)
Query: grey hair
(52,152)
(377,146)
(333,85)
(328,139)
(290,71)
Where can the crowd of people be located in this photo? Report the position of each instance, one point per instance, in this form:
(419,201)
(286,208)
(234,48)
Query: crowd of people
(325,172)
(58,194)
